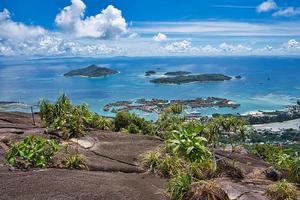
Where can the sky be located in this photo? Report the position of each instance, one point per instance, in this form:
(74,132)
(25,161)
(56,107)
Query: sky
(149,27)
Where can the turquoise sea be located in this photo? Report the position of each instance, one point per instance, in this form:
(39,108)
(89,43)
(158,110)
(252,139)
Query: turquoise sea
(268,83)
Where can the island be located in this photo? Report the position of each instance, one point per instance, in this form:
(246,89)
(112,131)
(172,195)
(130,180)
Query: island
(149,73)
(177,73)
(92,71)
(191,78)
(159,105)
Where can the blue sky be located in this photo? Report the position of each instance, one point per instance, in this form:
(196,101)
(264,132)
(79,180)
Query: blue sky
(149,27)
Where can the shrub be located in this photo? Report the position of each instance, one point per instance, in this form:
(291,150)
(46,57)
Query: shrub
(171,165)
(70,120)
(179,185)
(174,109)
(295,170)
(151,160)
(282,191)
(76,161)
(36,151)
(231,130)
(132,128)
(122,120)
(202,170)
(166,123)
(189,144)
(98,122)
(132,123)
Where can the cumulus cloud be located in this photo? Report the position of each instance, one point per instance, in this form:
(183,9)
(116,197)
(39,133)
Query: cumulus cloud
(15,30)
(51,45)
(234,48)
(179,46)
(287,12)
(292,44)
(109,23)
(266,6)
(159,37)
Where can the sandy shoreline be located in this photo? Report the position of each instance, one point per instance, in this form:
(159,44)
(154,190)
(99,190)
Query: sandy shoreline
(278,126)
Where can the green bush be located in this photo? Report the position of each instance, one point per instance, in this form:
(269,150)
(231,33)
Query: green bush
(36,151)
(232,130)
(166,123)
(132,128)
(171,165)
(189,144)
(132,123)
(151,160)
(76,161)
(295,170)
(174,109)
(282,191)
(70,120)
(179,185)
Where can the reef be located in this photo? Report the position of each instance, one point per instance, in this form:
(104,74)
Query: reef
(158,105)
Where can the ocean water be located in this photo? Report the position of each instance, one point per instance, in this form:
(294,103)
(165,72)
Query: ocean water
(268,83)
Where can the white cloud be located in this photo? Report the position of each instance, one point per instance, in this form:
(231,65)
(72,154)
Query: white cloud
(266,6)
(159,37)
(179,47)
(292,44)
(234,48)
(287,12)
(15,30)
(109,23)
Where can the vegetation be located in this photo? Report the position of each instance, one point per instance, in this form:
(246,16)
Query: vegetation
(132,123)
(177,73)
(189,144)
(230,130)
(282,191)
(280,158)
(179,185)
(91,71)
(70,120)
(76,161)
(206,190)
(187,157)
(191,78)
(32,151)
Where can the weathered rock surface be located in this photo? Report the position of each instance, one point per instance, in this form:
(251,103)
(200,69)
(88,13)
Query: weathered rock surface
(112,160)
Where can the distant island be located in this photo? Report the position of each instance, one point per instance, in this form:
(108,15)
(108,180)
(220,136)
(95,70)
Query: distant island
(191,78)
(149,73)
(177,73)
(91,71)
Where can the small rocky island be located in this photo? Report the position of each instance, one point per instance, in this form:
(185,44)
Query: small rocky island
(150,73)
(92,71)
(191,78)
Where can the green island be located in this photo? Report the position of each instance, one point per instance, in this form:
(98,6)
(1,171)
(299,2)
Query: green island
(191,78)
(177,73)
(220,157)
(92,71)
